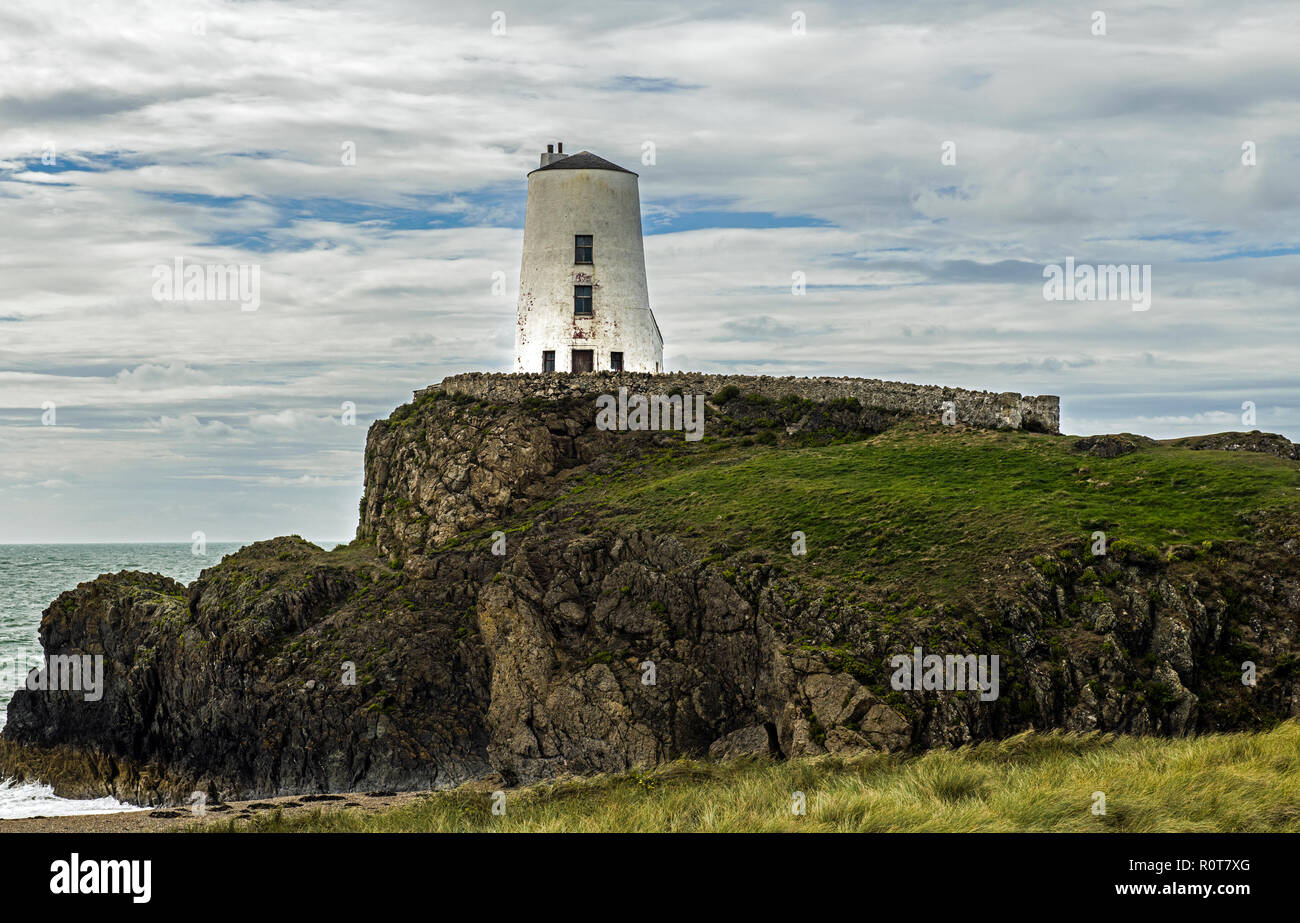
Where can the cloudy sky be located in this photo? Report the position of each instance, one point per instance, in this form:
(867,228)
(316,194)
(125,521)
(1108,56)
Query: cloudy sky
(786,138)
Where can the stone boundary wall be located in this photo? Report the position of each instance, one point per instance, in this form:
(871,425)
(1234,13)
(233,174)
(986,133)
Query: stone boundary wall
(985,409)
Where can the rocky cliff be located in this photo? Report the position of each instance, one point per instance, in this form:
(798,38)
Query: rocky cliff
(530,595)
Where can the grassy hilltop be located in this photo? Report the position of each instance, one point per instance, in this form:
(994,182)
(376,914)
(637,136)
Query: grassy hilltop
(929,509)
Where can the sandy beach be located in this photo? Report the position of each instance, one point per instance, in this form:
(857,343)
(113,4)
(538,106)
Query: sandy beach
(177,819)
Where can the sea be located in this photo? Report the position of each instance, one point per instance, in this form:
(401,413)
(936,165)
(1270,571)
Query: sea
(31,576)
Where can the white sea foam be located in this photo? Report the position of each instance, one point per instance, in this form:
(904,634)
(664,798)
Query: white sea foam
(35,800)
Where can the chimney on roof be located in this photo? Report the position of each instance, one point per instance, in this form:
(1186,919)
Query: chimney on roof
(552,154)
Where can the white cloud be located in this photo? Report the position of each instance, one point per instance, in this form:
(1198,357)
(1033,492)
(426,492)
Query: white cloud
(190,425)
(1213,417)
(150,376)
(290,420)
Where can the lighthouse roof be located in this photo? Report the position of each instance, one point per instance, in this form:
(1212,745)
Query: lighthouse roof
(583,160)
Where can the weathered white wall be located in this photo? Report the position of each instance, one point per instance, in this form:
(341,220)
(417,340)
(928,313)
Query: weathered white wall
(605,204)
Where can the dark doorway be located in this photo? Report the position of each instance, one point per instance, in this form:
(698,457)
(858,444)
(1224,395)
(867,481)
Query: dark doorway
(582,361)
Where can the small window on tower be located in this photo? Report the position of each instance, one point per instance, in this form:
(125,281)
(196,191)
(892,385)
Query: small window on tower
(548,360)
(616,361)
(582,248)
(582,299)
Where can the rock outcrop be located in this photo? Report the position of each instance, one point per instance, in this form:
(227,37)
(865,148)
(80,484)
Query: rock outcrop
(1112,445)
(280,670)
(1254,441)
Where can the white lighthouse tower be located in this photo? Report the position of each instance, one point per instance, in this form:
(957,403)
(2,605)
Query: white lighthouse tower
(583,303)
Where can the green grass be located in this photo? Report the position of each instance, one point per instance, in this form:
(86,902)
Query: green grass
(932,508)
(1032,782)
